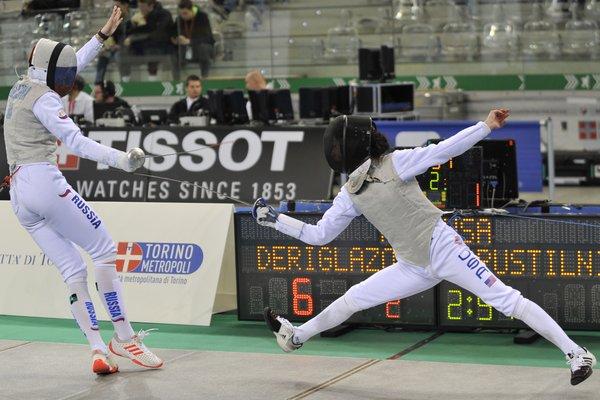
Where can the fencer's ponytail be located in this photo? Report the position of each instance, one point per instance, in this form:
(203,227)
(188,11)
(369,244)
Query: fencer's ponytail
(379,145)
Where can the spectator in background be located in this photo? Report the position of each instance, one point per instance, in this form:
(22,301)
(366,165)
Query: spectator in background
(255,80)
(31,6)
(113,46)
(193,102)
(98,92)
(193,37)
(106,93)
(152,38)
(107,104)
(225,7)
(78,102)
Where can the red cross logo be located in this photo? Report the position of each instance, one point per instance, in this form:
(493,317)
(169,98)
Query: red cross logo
(129,256)
(588,130)
(66,161)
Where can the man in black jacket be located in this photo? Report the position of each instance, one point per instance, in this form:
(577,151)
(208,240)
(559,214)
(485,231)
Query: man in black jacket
(192,34)
(153,37)
(193,102)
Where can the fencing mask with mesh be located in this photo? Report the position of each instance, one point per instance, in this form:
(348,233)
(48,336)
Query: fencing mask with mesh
(347,142)
(59,62)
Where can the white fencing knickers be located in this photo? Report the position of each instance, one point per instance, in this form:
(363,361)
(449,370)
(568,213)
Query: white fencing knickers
(58,218)
(451,260)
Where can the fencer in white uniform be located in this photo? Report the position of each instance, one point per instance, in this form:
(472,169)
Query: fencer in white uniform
(55,215)
(383,188)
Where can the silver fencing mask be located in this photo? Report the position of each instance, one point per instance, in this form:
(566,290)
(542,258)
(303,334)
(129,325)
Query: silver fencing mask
(347,142)
(59,61)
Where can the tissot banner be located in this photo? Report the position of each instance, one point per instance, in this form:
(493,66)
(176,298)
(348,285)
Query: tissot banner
(276,163)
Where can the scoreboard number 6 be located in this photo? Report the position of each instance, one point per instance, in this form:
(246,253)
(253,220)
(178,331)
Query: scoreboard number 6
(302,300)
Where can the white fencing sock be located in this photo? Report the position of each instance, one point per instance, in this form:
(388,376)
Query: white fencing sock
(332,316)
(84,313)
(538,320)
(110,291)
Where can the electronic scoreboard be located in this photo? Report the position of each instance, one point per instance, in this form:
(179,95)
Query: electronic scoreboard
(455,184)
(298,281)
(553,260)
(488,179)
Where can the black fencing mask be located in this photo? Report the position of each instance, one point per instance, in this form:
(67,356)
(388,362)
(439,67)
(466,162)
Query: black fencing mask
(347,142)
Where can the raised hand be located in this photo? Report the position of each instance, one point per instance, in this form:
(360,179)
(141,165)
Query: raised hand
(497,118)
(113,22)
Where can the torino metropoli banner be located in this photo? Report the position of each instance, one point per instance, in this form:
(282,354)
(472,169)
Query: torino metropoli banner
(176,262)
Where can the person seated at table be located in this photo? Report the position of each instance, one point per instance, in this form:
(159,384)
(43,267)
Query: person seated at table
(192,103)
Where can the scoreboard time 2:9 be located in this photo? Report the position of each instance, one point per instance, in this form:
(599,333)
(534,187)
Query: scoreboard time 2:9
(553,260)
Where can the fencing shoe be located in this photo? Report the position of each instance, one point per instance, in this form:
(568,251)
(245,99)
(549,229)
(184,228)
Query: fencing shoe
(581,362)
(135,350)
(103,364)
(282,329)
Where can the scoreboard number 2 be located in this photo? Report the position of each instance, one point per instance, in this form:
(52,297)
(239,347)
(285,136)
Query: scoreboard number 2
(392,309)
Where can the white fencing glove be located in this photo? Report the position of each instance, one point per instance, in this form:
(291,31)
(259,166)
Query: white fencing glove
(264,214)
(132,160)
